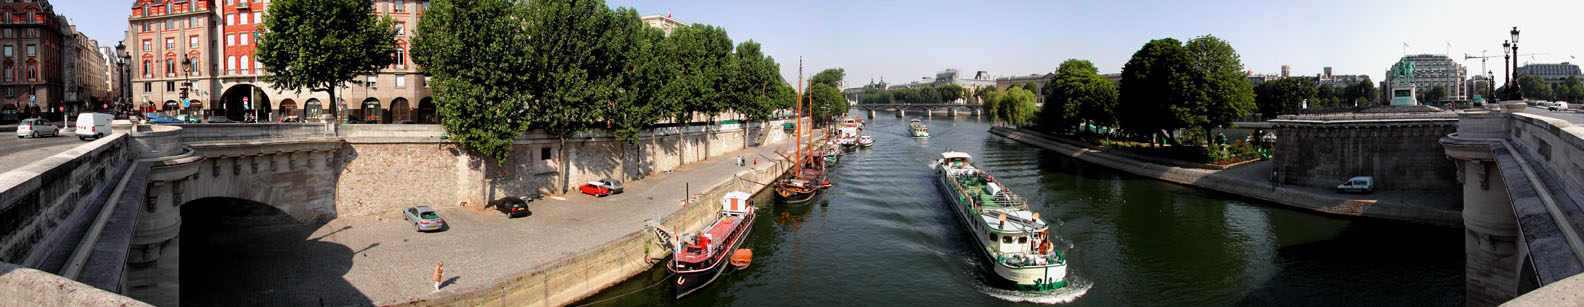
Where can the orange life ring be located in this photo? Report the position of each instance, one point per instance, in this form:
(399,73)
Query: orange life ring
(785,193)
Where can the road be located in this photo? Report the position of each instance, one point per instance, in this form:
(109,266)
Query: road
(1572,116)
(15,152)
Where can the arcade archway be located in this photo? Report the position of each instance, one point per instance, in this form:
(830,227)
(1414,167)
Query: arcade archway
(426,111)
(288,111)
(399,110)
(246,103)
(371,112)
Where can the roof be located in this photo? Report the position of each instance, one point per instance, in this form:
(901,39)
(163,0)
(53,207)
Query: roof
(955,155)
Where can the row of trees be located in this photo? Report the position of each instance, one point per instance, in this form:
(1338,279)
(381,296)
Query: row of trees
(923,95)
(1288,95)
(1533,87)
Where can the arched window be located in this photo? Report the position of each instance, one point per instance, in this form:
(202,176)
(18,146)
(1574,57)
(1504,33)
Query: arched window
(231,65)
(245,63)
(32,70)
(312,109)
(401,57)
(170,67)
(146,72)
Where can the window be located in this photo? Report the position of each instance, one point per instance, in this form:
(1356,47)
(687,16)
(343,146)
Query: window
(425,5)
(257,18)
(400,6)
(170,67)
(1006,239)
(258,66)
(1022,240)
(243,37)
(231,64)
(230,19)
(372,81)
(192,42)
(401,57)
(170,43)
(146,72)
(245,62)
(192,22)
(8,51)
(32,71)
(10,33)
(231,39)
(32,50)
(9,72)
(170,86)
(144,25)
(544,153)
(148,86)
(401,28)
(401,81)
(170,24)
(426,78)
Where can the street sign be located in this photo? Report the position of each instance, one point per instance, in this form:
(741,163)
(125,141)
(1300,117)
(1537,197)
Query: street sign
(185,102)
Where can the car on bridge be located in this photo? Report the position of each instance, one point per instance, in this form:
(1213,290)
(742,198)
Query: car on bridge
(602,187)
(424,218)
(36,127)
(513,206)
(1360,184)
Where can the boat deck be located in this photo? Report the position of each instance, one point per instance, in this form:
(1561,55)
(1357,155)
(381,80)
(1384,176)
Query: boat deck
(718,234)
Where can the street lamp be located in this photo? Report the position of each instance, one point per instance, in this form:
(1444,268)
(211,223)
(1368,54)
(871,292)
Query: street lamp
(1513,87)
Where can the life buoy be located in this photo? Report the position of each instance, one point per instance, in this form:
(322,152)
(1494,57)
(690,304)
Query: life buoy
(785,193)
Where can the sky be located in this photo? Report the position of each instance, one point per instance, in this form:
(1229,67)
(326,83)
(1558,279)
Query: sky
(901,41)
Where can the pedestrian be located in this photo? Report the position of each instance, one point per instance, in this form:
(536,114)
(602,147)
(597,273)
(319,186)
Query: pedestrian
(438,270)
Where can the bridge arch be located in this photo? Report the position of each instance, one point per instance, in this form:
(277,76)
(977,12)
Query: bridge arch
(245,102)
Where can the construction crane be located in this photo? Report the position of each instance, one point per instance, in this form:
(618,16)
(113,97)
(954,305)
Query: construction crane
(1483,57)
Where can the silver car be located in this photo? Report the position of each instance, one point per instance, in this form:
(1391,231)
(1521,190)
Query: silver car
(424,218)
(36,127)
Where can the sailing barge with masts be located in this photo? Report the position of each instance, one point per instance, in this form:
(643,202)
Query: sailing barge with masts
(807,176)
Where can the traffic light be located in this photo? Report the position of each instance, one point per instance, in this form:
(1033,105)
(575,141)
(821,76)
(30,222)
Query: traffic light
(184,93)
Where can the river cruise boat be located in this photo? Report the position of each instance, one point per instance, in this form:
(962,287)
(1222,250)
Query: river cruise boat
(865,140)
(1013,241)
(697,259)
(917,129)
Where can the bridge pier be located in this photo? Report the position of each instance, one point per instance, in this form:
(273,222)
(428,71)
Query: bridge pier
(976,112)
(928,114)
(901,113)
(871,114)
(951,112)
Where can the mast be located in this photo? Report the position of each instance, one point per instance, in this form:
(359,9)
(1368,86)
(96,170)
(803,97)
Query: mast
(797,170)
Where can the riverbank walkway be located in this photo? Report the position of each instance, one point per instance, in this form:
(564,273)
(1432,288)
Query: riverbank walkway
(381,260)
(1253,180)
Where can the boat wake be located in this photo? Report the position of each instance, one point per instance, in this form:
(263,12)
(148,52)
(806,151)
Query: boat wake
(1075,289)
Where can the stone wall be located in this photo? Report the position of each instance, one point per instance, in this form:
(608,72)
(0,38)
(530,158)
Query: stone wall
(1402,154)
(36,197)
(383,168)
(28,287)
(1559,144)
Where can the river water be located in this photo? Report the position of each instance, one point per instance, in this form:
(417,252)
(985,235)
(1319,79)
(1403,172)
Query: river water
(882,236)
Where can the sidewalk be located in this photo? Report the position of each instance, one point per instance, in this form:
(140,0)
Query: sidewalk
(381,260)
(1252,180)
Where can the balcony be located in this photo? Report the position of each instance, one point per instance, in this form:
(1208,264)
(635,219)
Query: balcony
(244,5)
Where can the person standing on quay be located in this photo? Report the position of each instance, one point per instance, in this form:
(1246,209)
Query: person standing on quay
(438,270)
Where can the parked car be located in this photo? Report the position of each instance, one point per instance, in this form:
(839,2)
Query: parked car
(36,127)
(513,206)
(1557,106)
(218,119)
(405,122)
(158,118)
(1360,184)
(94,125)
(602,187)
(424,218)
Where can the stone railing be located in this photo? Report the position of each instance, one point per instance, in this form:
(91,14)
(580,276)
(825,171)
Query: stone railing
(1370,116)
(35,198)
(196,133)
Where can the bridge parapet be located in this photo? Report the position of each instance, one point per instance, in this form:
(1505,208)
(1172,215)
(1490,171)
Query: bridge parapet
(197,133)
(36,198)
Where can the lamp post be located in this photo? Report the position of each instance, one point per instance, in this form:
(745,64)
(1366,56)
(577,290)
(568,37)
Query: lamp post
(1513,87)
(124,84)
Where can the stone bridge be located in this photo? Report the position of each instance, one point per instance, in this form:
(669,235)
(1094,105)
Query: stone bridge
(110,213)
(929,109)
(1522,180)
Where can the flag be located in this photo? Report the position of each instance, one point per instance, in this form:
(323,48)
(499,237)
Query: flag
(1405,44)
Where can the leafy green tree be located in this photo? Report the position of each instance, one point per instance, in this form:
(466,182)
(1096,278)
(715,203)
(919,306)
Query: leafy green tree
(1017,107)
(1158,91)
(482,111)
(1436,93)
(1570,90)
(319,45)
(929,95)
(831,77)
(1285,96)
(1075,94)
(752,88)
(700,56)
(981,92)
(992,104)
(1361,93)
(1225,93)
(950,92)
(641,78)
(1533,87)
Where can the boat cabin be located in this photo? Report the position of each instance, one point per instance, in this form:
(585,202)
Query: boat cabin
(956,160)
(1015,232)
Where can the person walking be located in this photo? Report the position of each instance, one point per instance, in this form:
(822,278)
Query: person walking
(438,270)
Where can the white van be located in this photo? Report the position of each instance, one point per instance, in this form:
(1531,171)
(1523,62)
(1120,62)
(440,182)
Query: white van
(94,125)
(1558,106)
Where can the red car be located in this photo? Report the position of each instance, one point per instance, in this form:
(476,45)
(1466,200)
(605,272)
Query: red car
(602,187)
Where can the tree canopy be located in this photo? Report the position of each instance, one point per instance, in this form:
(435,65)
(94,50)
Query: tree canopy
(481,103)
(1077,93)
(1533,87)
(1016,107)
(831,77)
(950,92)
(1158,89)
(1226,93)
(319,45)
(1284,96)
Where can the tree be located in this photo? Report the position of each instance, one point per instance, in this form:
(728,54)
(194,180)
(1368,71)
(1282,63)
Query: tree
(1533,87)
(826,101)
(1361,93)
(319,45)
(1285,96)
(1225,93)
(1570,90)
(981,92)
(1157,89)
(641,77)
(831,77)
(992,104)
(698,54)
(1077,93)
(483,111)
(577,58)
(1436,93)
(753,86)
(1017,106)
(950,92)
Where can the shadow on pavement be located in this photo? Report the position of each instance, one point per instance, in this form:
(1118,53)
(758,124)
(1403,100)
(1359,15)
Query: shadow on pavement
(242,253)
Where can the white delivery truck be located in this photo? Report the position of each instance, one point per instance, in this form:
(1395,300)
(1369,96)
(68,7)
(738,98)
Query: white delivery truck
(93,125)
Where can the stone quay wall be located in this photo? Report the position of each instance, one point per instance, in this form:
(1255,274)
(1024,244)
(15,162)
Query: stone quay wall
(37,197)
(1402,154)
(384,168)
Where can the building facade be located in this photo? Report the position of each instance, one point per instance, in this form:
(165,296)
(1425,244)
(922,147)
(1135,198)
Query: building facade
(30,59)
(205,50)
(1430,70)
(1553,74)
(664,23)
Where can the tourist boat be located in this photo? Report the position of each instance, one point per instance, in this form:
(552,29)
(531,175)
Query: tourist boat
(832,156)
(697,259)
(1013,241)
(846,136)
(865,140)
(918,129)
